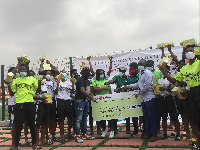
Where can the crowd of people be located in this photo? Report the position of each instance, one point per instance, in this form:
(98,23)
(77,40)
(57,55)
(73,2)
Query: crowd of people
(72,98)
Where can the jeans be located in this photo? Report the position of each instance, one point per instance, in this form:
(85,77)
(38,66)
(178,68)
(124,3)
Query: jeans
(149,109)
(82,108)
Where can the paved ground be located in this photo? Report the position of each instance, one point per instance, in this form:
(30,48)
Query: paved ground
(121,141)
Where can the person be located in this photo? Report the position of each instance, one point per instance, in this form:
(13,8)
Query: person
(120,80)
(24,109)
(100,89)
(190,74)
(131,79)
(65,108)
(148,101)
(82,105)
(167,104)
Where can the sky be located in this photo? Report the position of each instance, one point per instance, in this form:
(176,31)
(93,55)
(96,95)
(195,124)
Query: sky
(61,29)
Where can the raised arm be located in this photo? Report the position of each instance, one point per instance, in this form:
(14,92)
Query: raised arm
(110,67)
(91,69)
(172,54)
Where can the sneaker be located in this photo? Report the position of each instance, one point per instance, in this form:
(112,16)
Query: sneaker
(87,137)
(10,124)
(134,133)
(78,139)
(164,136)
(128,132)
(103,134)
(177,138)
(111,134)
(153,139)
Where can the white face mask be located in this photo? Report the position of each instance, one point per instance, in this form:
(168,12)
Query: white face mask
(48,77)
(121,74)
(190,55)
(172,67)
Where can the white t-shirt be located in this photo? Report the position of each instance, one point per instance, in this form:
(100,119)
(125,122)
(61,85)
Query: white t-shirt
(11,100)
(51,86)
(64,90)
(165,83)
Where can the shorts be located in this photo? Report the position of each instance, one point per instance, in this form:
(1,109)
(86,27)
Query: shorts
(65,108)
(193,105)
(11,113)
(42,116)
(53,109)
(167,104)
(181,105)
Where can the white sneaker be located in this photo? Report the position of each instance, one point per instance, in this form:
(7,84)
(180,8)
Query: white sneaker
(103,134)
(111,134)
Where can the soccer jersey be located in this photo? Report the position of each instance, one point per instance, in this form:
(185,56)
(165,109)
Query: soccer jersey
(100,84)
(24,88)
(51,86)
(191,74)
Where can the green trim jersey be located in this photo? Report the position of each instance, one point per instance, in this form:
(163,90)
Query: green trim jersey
(24,89)
(191,74)
(100,84)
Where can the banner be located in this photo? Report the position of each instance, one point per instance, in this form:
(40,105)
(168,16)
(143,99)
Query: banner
(116,105)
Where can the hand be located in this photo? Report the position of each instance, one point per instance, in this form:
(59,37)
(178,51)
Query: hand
(110,58)
(44,99)
(88,58)
(106,88)
(19,61)
(8,83)
(162,48)
(162,88)
(93,99)
(106,83)
(124,88)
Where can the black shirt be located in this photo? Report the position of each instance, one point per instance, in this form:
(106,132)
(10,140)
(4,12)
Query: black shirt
(82,82)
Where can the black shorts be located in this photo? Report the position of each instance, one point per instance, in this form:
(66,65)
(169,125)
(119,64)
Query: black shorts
(42,115)
(167,104)
(11,113)
(181,105)
(24,112)
(193,105)
(65,108)
(53,109)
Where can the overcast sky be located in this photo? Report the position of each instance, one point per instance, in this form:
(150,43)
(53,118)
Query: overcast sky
(63,28)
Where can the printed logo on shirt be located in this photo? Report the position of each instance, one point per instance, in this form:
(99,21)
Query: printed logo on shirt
(24,85)
(192,76)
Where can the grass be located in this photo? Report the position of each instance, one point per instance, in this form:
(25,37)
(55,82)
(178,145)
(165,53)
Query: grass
(6,112)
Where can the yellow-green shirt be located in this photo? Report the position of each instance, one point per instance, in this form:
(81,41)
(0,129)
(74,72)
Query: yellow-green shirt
(191,74)
(24,89)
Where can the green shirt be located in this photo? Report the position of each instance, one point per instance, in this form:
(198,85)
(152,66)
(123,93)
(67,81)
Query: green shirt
(157,74)
(132,79)
(119,82)
(24,88)
(191,74)
(100,84)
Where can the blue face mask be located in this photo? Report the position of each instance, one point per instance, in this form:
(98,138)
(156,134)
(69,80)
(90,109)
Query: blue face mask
(23,74)
(65,76)
(141,68)
(102,76)
(150,68)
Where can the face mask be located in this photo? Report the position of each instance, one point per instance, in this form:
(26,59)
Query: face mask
(150,68)
(190,55)
(141,68)
(65,75)
(48,77)
(121,74)
(102,76)
(131,71)
(23,74)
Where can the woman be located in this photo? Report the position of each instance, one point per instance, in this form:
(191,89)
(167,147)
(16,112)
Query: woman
(100,89)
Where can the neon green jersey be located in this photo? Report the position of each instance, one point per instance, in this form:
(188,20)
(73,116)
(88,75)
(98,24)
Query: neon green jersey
(191,74)
(157,74)
(24,88)
(100,84)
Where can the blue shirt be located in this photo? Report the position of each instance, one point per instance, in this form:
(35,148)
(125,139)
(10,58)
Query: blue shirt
(144,84)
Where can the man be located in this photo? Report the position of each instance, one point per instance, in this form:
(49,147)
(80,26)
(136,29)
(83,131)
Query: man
(82,105)
(149,100)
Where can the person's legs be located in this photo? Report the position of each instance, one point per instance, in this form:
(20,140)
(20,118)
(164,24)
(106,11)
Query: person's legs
(26,131)
(90,119)
(79,114)
(30,117)
(84,117)
(146,119)
(135,125)
(18,121)
(128,125)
